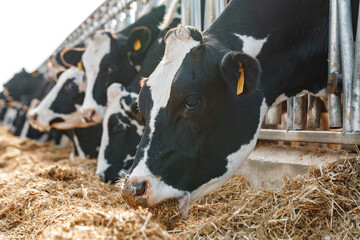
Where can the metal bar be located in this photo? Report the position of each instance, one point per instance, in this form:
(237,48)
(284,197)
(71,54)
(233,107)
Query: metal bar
(185,12)
(273,115)
(346,50)
(310,136)
(355,99)
(299,113)
(334,101)
(290,113)
(219,6)
(210,16)
(195,14)
(313,112)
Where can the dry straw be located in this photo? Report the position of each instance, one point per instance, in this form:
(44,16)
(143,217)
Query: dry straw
(44,195)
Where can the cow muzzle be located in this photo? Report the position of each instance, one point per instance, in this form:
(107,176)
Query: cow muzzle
(90,116)
(136,195)
(33,118)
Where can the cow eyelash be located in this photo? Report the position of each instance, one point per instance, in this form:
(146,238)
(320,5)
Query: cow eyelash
(192,103)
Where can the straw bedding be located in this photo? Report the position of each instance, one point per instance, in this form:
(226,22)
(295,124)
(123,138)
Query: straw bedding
(44,195)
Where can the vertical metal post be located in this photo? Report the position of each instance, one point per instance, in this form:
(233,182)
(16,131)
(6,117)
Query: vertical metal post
(313,112)
(185,12)
(195,14)
(334,101)
(210,16)
(355,101)
(219,6)
(290,113)
(299,113)
(273,115)
(346,50)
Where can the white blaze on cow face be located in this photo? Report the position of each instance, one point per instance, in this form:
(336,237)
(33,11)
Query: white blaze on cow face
(45,114)
(179,43)
(98,47)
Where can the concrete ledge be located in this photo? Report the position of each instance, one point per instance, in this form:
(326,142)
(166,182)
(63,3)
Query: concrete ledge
(268,163)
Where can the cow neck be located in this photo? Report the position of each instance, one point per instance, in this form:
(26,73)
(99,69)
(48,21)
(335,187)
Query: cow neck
(293,37)
(89,139)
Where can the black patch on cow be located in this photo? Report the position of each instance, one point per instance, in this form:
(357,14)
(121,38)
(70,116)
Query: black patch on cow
(67,97)
(89,139)
(56,120)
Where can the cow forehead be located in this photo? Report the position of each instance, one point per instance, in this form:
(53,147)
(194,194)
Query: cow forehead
(178,44)
(98,47)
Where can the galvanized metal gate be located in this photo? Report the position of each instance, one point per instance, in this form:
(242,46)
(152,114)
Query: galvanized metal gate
(300,119)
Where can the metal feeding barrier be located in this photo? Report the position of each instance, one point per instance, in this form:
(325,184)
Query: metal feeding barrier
(300,119)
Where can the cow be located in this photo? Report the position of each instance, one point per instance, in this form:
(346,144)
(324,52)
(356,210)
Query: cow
(116,57)
(59,109)
(122,128)
(205,101)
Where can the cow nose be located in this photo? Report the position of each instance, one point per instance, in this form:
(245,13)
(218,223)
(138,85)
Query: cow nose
(133,194)
(139,189)
(33,117)
(90,115)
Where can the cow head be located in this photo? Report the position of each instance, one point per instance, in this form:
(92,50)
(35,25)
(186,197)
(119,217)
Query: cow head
(122,130)
(60,108)
(108,59)
(203,111)
(116,57)
(22,85)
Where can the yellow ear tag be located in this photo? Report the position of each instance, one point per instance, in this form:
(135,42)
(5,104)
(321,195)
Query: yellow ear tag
(34,74)
(137,45)
(240,84)
(79,66)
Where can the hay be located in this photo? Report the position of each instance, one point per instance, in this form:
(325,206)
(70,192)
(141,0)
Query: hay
(44,195)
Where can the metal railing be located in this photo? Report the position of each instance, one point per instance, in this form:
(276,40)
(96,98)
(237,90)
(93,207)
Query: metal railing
(303,113)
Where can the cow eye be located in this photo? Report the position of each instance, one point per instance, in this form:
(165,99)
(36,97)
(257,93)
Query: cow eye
(71,86)
(192,103)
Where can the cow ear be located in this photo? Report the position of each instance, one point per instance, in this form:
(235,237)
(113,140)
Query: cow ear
(72,56)
(241,71)
(58,74)
(138,43)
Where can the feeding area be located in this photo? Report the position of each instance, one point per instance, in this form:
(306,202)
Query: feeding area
(44,195)
(144,124)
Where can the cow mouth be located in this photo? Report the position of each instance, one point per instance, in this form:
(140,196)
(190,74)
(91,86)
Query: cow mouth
(141,201)
(36,125)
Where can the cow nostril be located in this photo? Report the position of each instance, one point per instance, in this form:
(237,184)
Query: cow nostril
(89,116)
(139,189)
(34,116)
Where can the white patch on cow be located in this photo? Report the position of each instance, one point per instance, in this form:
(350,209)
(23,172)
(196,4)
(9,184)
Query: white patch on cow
(78,148)
(25,130)
(98,47)
(178,45)
(251,46)
(45,114)
(235,160)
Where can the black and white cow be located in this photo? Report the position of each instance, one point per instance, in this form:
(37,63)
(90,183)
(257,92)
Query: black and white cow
(60,109)
(116,57)
(205,101)
(122,128)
